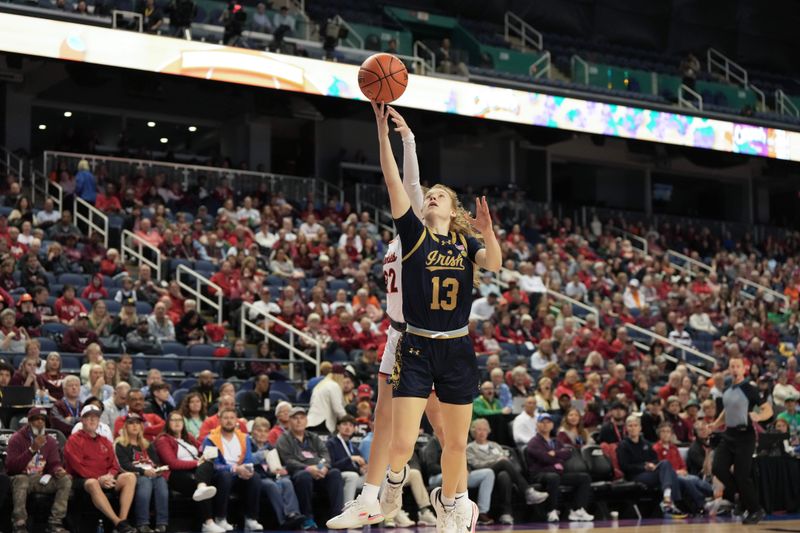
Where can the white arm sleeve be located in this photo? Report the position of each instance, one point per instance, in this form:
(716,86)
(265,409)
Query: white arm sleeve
(411,175)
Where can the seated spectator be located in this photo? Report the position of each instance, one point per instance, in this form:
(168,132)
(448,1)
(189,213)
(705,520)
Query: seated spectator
(111,265)
(205,387)
(97,386)
(117,405)
(346,457)
(135,455)
(666,450)
(234,470)
(100,320)
(34,462)
(545,399)
(103,429)
(483,453)
(67,307)
(520,382)
(159,324)
(52,378)
(681,427)
(66,412)
(306,459)
(503,393)
(77,338)
(257,399)
(25,376)
(680,335)
(791,415)
(28,318)
(140,340)
(486,404)
(484,308)
(282,420)
(153,424)
(571,432)
(613,431)
(94,356)
(159,403)
(652,418)
(447,63)
(275,483)
(191,328)
(546,457)
(95,290)
(47,216)
(524,425)
(127,291)
(639,462)
(326,406)
(12,338)
(699,457)
(91,461)
(234,366)
(63,228)
(193,409)
(225,401)
(190,474)
(127,320)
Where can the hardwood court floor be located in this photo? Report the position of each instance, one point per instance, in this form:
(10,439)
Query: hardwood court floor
(774,524)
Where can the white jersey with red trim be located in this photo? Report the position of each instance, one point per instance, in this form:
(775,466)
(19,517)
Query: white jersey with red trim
(393,277)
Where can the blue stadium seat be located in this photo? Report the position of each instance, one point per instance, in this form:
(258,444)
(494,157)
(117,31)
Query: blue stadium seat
(188,383)
(167,364)
(276,281)
(277,396)
(284,388)
(143,308)
(113,307)
(174,348)
(54,328)
(70,363)
(194,366)
(201,350)
(140,364)
(205,266)
(178,395)
(47,345)
(337,284)
(72,279)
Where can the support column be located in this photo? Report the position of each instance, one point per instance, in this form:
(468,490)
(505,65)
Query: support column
(648,192)
(548,178)
(260,145)
(17,119)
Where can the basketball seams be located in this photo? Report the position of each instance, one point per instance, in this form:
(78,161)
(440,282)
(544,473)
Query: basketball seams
(396,78)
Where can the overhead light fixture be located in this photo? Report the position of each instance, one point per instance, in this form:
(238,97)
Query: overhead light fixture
(151,124)
(193,128)
(164,140)
(67,114)
(42,126)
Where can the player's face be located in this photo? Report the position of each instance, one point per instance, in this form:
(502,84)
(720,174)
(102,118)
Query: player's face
(437,203)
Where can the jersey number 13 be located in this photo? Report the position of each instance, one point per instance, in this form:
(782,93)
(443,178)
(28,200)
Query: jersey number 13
(445,294)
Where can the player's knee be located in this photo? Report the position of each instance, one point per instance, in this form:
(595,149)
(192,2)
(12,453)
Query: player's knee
(458,446)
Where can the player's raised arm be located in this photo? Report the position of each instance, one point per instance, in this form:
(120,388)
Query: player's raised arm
(491,257)
(397,195)
(410,164)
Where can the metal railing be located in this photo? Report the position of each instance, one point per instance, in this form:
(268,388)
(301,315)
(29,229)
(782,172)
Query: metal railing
(127,15)
(212,300)
(527,34)
(11,162)
(42,189)
(133,247)
(245,181)
(687,265)
(764,289)
(577,61)
(246,323)
(685,96)
(382,218)
(564,298)
(635,239)
(353,36)
(761,104)
(541,67)
(721,65)
(421,52)
(96,221)
(784,105)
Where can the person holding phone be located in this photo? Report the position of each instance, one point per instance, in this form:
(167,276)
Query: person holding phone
(33,461)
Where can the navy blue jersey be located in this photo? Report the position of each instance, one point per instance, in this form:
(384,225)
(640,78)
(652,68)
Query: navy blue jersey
(437,275)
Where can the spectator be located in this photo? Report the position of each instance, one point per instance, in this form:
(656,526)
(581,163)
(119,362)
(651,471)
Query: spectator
(101,321)
(700,454)
(194,411)
(346,457)
(135,455)
(652,418)
(47,216)
(546,458)
(91,461)
(524,425)
(257,399)
(261,23)
(791,416)
(275,483)
(159,403)
(189,472)
(571,432)
(34,462)
(159,325)
(66,412)
(545,399)
(97,386)
(613,431)
(67,307)
(282,419)
(483,453)
(486,404)
(63,229)
(224,402)
(85,183)
(205,388)
(141,340)
(689,67)
(191,328)
(52,378)
(79,336)
(544,355)
(6,372)
(102,429)
(447,63)
(125,372)
(484,308)
(679,335)
(681,427)
(153,424)
(307,460)
(502,391)
(117,405)
(326,406)
(234,470)
(25,376)
(666,450)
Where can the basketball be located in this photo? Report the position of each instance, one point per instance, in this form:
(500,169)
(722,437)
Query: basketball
(383,78)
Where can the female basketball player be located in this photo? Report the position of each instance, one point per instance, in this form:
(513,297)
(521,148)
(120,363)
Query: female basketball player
(366,509)
(439,258)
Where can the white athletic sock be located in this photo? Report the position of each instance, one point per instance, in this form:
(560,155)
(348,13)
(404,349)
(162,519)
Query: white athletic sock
(395,477)
(447,502)
(370,492)
(668,493)
(460,495)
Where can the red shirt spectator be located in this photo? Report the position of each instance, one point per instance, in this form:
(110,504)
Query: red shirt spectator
(344,334)
(68,307)
(90,457)
(95,291)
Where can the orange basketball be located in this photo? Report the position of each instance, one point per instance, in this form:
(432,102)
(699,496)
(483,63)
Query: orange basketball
(383,78)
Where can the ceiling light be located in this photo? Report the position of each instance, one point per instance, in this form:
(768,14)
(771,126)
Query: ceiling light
(42,126)
(164,140)
(193,128)
(67,114)
(151,124)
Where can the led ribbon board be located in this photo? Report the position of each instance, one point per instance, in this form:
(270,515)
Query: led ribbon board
(103,46)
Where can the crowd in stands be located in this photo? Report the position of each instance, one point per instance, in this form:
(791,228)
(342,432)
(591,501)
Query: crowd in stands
(559,378)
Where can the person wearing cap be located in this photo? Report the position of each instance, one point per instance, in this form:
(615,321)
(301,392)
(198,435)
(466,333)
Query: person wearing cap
(79,336)
(153,424)
(307,460)
(28,318)
(135,455)
(546,457)
(31,454)
(234,470)
(613,431)
(140,340)
(346,457)
(326,406)
(90,460)
(103,429)
(791,415)
(679,335)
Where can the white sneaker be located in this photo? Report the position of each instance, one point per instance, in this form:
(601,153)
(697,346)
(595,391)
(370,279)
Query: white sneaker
(204,493)
(392,495)
(580,515)
(466,515)
(506,520)
(212,527)
(534,497)
(252,525)
(357,513)
(389,523)
(426,518)
(552,516)
(401,519)
(223,523)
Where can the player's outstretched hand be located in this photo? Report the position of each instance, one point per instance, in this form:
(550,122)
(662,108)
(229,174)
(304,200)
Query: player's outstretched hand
(483,218)
(401,126)
(381,117)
